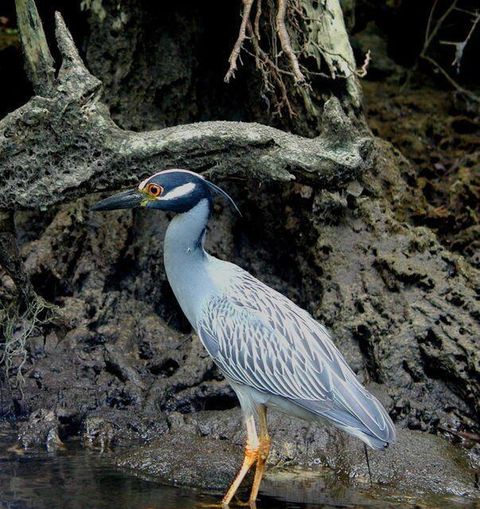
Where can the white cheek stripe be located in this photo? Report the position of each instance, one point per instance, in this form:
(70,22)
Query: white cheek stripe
(144,182)
(178,192)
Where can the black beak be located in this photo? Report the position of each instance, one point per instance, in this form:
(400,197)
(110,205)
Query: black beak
(125,200)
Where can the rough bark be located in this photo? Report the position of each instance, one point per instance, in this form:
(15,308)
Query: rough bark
(77,147)
(328,42)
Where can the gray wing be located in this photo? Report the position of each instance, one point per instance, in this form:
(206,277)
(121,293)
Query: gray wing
(261,339)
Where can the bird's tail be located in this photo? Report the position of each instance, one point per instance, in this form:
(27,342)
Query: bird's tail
(359,413)
(378,432)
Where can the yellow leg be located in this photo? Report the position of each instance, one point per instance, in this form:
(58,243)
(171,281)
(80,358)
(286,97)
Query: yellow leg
(263,451)
(251,455)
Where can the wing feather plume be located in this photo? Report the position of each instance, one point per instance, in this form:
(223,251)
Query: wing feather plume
(261,339)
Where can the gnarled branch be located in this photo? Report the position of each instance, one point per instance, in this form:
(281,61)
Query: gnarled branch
(63,146)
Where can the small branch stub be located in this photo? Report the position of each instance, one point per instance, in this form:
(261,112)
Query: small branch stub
(38,59)
(73,74)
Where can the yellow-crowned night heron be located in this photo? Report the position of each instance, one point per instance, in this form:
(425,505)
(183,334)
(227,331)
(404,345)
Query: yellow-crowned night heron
(273,353)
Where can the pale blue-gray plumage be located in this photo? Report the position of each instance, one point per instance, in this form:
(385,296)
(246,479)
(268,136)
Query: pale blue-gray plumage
(273,353)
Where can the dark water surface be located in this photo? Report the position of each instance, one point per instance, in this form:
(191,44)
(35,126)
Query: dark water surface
(81,479)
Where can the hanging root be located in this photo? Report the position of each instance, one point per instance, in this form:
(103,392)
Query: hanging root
(362,72)
(267,61)
(247,6)
(283,36)
(270,72)
(15,330)
(22,313)
(285,41)
(254,34)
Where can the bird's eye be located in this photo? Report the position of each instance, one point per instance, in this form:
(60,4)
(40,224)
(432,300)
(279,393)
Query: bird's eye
(154,190)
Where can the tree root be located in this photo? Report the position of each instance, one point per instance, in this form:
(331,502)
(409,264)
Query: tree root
(247,6)
(254,34)
(285,41)
(75,148)
(314,38)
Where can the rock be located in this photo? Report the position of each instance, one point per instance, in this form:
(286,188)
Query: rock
(205,450)
(97,433)
(185,459)
(41,431)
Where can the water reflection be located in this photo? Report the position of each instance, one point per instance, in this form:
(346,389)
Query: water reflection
(82,479)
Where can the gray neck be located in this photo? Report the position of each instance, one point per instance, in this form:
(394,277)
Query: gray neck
(186,260)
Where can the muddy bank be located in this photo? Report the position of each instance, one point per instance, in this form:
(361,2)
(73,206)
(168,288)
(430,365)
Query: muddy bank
(76,477)
(442,141)
(308,462)
(403,309)
(204,449)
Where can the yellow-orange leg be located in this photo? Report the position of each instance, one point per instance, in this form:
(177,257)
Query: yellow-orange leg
(251,455)
(263,451)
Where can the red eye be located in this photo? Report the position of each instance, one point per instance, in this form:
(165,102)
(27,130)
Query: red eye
(154,190)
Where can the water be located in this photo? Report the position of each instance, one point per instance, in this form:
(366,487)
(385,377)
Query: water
(77,479)
(81,479)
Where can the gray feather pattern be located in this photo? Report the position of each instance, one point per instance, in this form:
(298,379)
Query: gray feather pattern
(261,339)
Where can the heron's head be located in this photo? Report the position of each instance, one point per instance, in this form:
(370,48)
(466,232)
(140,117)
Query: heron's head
(169,190)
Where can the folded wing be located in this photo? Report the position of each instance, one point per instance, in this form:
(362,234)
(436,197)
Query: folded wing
(261,339)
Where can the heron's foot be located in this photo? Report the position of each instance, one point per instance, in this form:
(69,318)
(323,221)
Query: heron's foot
(256,453)
(250,458)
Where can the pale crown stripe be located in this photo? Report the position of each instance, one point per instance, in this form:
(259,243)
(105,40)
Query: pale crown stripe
(178,192)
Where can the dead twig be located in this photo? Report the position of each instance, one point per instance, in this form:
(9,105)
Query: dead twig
(460,46)
(362,72)
(431,32)
(453,82)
